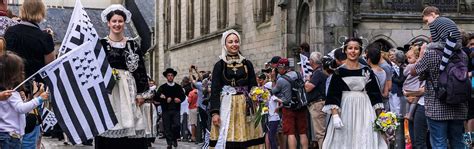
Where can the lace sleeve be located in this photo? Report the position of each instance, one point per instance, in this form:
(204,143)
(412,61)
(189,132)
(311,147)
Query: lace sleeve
(328,108)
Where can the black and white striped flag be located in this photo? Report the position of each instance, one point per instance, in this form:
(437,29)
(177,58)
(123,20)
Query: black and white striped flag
(79,97)
(306,68)
(49,120)
(81,30)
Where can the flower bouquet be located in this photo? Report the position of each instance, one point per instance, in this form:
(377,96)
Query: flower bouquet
(259,96)
(387,122)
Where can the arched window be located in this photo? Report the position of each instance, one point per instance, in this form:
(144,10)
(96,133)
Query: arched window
(205,16)
(303,26)
(263,10)
(190,20)
(177,20)
(222,14)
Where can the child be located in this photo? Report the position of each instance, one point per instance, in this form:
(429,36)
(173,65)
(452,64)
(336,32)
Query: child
(412,85)
(273,120)
(4,94)
(12,120)
(440,29)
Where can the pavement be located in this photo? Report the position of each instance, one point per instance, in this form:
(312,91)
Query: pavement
(50,143)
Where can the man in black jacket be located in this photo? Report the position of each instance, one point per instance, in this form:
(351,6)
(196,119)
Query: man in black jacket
(170,95)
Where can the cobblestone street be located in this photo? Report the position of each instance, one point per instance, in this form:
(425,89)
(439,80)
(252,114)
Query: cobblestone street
(49,143)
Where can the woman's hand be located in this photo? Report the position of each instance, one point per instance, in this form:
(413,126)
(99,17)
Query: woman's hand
(336,121)
(4,95)
(216,119)
(140,100)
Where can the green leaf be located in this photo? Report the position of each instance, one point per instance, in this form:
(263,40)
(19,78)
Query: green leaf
(258,116)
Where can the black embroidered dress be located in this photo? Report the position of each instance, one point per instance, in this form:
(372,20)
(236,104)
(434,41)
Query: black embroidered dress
(234,79)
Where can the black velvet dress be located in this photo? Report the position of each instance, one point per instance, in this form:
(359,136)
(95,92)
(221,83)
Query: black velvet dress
(240,76)
(126,60)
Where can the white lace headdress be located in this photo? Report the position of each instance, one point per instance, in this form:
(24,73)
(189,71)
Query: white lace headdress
(224,49)
(113,8)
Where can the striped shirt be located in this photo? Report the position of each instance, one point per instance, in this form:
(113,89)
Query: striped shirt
(441,27)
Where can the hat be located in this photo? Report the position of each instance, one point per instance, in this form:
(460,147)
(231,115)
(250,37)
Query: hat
(114,7)
(283,62)
(170,70)
(274,60)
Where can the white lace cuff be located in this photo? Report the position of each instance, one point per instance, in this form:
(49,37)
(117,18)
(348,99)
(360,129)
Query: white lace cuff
(146,95)
(378,106)
(328,108)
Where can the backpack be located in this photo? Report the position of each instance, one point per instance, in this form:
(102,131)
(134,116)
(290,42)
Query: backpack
(298,93)
(454,86)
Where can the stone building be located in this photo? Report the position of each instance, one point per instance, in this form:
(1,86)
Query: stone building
(59,14)
(188,32)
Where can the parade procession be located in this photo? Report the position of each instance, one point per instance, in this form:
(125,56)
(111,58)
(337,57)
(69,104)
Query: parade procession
(236,74)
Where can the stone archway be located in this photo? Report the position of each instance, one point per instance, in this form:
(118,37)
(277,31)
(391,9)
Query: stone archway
(418,38)
(302,24)
(386,42)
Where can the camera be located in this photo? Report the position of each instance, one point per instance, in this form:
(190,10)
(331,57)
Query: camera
(268,70)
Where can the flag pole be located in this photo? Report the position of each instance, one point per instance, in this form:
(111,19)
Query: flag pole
(26,80)
(53,62)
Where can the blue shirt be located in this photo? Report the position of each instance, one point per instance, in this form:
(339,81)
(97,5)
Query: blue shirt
(200,95)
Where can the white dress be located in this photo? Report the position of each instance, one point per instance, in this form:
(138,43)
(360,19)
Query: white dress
(357,114)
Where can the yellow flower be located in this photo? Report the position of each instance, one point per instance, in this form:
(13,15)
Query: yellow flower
(254,97)
(389,122)
(384,125)
(258,91)
(265,95)
(265,109)
(114,72)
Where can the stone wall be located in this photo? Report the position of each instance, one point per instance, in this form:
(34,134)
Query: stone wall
(325,22)
(259,42)
(399,34)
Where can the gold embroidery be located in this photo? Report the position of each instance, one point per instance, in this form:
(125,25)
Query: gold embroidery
(235,66)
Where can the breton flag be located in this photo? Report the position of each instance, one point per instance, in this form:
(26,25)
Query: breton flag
(81,30)
(79,97)
(49,120)
(305,66)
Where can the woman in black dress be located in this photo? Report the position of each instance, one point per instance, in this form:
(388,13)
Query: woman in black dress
(232,78)
(131,90)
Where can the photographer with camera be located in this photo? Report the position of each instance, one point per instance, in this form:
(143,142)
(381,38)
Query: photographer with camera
(294,121)
(196,107)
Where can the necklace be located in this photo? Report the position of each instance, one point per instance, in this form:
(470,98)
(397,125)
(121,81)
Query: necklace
(115,40)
